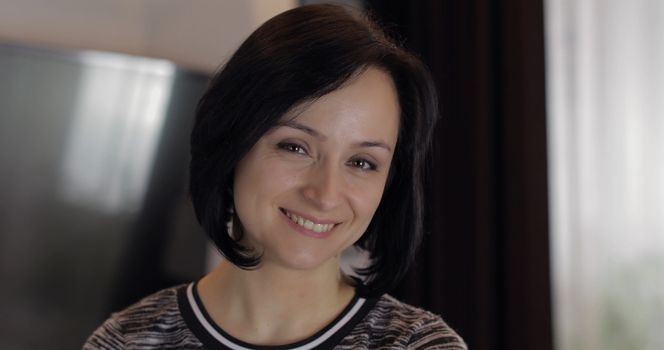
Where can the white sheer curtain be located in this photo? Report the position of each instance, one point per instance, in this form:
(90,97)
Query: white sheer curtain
(605,71)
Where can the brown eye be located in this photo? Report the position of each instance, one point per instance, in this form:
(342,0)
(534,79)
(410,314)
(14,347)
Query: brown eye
(291,147)
(362,164)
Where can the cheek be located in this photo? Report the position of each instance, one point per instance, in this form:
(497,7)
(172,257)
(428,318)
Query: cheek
(366,203)
(275,179)
(262,180)
(364,208)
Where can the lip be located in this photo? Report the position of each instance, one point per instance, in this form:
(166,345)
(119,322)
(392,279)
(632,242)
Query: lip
(303,230)
(309,217)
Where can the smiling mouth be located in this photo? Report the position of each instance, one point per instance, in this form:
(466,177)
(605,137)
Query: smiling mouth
(308,224)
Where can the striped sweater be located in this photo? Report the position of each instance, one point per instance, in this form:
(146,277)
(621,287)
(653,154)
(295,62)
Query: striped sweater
(174,318)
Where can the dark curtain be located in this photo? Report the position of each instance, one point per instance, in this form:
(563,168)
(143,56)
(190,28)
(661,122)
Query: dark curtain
(484,265)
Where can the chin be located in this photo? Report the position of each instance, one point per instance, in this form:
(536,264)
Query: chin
(305,261)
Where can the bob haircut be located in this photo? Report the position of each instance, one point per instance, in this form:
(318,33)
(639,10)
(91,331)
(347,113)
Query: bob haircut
(292,59)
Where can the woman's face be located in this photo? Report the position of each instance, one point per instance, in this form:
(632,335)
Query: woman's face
(310,186)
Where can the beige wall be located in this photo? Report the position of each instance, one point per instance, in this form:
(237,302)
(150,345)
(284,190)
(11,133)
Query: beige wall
(197,34)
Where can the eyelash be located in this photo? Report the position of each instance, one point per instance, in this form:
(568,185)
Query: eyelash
(297,149)
(289,147)
(371,166)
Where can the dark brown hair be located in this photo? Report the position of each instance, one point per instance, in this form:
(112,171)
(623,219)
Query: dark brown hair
(295,57)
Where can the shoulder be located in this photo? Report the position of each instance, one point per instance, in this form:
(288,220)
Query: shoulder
(152,321)
(151,311)
(395,324)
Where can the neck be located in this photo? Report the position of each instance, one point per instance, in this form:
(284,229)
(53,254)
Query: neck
(273,305)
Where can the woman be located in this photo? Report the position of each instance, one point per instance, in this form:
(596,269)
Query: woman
(309,140)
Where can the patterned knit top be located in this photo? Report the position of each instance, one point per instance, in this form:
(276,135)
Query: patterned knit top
(175,318)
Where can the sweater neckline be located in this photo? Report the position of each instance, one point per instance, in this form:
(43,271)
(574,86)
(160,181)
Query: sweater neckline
(213,337)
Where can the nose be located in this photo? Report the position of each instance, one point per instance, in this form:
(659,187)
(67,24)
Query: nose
(324,186)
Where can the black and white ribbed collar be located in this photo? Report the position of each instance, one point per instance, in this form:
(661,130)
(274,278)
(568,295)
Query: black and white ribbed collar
(213,337)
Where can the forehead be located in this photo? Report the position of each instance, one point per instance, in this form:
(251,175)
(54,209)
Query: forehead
(365,106)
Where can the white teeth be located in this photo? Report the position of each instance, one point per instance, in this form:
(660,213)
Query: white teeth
(309,225)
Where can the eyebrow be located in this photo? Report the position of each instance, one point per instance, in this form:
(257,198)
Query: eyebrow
(295,125)
(375,144)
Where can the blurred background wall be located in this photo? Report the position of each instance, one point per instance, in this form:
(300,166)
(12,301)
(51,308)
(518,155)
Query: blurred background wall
(196,36)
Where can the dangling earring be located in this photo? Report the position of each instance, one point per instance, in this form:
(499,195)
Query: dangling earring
(231,212)
(229,223)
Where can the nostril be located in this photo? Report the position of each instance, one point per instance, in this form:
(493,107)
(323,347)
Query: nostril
(323,195)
